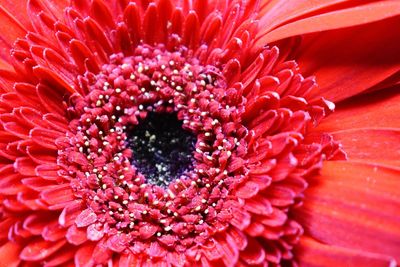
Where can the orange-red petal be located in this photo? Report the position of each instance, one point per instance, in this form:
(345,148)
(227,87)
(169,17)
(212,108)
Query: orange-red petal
(336,19)
(312,253)
(350,61)
(354,205)
(373,145)
(379,109)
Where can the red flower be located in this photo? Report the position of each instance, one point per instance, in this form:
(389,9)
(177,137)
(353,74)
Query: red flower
(182,133)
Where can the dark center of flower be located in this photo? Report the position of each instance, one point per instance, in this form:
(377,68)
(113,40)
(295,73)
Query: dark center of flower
(162,150)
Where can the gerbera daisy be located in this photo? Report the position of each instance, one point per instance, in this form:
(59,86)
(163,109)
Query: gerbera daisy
(199,133)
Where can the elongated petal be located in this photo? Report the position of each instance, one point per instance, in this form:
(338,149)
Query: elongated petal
(313,253)
(350,61)
(10,29)
(277,12)
(334,20)
(383,145)
(354,205)
(9,253)
(380,109)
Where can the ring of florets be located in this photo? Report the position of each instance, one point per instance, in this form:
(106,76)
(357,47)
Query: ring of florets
(119,198)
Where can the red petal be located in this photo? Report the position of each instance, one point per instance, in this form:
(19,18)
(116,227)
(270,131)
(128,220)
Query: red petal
(379,109)
(35,223)
(53,231)
(76,236)
(334,20)
(259,205)
(58,194)
(10,29)
(247,190)
(40,155)
(241,219)
(10,182)
(155,250)
(276,12)
(350,61)
(101,253)
(25,166)
(48,171)
(51,98)
(9,254)
(69,213)
(83,257)
(276,218)
(40,249)
(354,205)
(64,255)
(383,145)
(315,254)
(253,254)
(45,137)
(53,79)
(229,251)
(237,238)
(147,231)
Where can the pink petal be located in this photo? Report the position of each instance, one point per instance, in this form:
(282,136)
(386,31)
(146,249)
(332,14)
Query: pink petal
(86,218)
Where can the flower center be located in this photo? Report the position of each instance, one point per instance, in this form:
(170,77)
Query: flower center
(162,150)
(155,147)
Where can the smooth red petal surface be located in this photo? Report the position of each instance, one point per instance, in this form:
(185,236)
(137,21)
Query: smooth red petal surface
(277,12)
(40,249)
(371,145)
(11,29)
(310,253)
(18,9)
(334,20)
(9,254)
(379,109)
(350,61)
(354,205)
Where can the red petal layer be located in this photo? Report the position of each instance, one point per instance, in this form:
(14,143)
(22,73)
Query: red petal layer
(334,20)
(277,12)
(383,145)
(354,205)
(379,109)
(312,253)
(40,249)
(10,29)
(350,61)
(9,254)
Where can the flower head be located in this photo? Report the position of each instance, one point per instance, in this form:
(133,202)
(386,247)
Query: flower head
(165,133)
